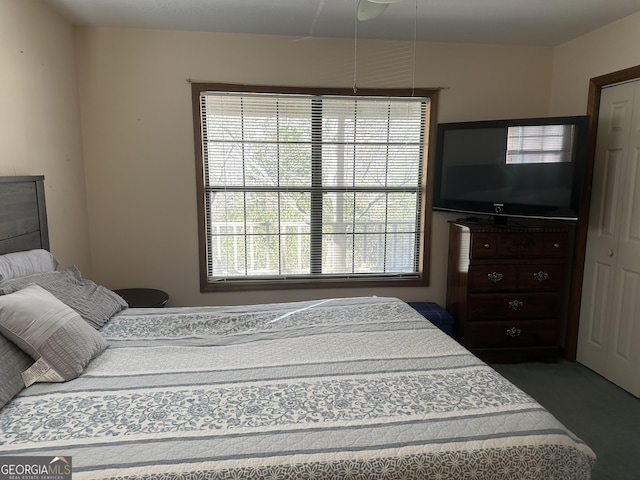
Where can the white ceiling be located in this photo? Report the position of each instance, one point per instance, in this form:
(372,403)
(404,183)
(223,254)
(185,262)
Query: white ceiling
(520,22)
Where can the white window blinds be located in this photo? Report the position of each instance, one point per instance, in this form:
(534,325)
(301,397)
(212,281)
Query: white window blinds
(539,143)
(312,186)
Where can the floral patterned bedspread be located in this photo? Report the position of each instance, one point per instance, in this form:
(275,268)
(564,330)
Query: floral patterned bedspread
(359,388)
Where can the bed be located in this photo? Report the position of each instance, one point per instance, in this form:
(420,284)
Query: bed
(345,388)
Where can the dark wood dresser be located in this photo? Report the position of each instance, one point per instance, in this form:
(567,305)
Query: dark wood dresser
(506,288)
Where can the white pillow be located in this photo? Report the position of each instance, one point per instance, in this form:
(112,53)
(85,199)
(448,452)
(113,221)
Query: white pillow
(95,303)
(20,264)
(52,333)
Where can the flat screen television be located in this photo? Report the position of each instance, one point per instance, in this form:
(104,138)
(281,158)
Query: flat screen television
(530,167)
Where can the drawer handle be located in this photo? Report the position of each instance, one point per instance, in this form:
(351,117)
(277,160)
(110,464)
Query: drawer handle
(556,245)
(515,304)
(540,276)
(495,277)
(486,245)
(514,332)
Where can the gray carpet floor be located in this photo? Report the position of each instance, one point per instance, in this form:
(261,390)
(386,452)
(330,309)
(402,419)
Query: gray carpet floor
(606,417)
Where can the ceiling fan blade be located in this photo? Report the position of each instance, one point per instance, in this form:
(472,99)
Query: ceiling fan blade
(368,9)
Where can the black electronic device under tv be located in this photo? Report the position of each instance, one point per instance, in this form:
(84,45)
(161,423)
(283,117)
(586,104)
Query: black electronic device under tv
(528,167)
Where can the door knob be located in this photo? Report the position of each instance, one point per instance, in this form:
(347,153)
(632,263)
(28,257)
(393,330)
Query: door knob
(610,253)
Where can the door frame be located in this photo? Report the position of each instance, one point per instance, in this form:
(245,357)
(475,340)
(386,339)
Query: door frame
(596,84)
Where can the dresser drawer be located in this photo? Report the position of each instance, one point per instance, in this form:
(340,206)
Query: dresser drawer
(541,276)
(512,306)
(507,245)
(493,278)
(511,334)
(519,245)
(484,245)
(497,278)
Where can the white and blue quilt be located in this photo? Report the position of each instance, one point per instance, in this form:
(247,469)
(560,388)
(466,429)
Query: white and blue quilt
(359,388)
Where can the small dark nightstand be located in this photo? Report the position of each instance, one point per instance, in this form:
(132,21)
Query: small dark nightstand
(144,297)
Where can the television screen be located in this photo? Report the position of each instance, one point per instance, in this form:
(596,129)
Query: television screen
(523,168)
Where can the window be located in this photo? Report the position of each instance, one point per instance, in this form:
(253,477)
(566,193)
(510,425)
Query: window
(305,188)
(539,143)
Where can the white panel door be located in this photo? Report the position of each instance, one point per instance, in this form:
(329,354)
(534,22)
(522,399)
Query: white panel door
(609,335)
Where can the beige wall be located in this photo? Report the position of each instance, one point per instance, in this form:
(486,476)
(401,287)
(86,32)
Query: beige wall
(138,135)
(40,122)
(137,129)
(606,50)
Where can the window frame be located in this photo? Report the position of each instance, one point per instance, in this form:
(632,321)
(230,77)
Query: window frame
(422,278)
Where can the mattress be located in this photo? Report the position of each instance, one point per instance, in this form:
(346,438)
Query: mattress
(357,388)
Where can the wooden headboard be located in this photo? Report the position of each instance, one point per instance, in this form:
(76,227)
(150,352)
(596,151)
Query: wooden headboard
(23,214)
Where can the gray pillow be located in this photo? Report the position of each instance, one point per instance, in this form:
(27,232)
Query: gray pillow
(50,332)
(20,264)
(13,362)
(95,303)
